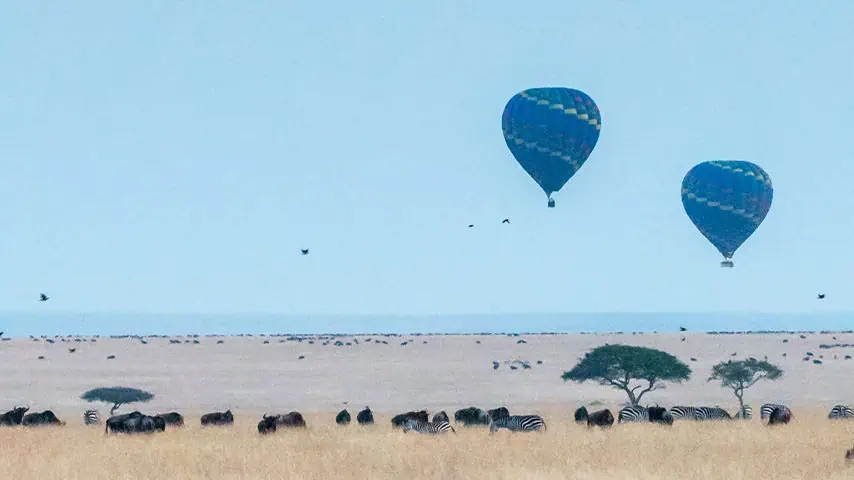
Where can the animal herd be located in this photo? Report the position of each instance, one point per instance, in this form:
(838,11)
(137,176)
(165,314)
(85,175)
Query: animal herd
(775,414)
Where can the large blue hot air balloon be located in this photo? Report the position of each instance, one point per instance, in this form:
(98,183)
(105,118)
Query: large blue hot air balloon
(727,200)
(551,132)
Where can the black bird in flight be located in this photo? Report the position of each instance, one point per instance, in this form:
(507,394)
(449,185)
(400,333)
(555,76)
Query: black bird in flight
(506,220)
(304,251)
(821,296)
(683,329)
(43,298)
(72,350)
(471,225)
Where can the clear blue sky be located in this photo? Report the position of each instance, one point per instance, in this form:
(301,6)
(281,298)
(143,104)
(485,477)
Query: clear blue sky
(170,156)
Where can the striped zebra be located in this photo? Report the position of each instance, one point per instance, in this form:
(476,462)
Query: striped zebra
(766,409)
(745,413)
(841,411)
(633,414)
(413,425)
(711,413)
(91,417)
(518,423)
(683,413)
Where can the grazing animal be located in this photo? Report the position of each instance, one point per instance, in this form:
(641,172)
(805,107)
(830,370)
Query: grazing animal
(398,420)
(471,416)
(780,415)
(602,418)
(497,413)
(683,413)
(13,417)
(343,417)
(271,423)
(518,423)
(766,409)
(581,415)
(841,411)
(633,414)
(46,417)
(218,418)
(441,417)
(745,413)
(849,455)
(413,425)
(711,413)
(172,418)
(134,422)
(91,417)
(365,417)
(659,415)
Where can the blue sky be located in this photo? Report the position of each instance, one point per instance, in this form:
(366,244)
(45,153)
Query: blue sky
(175,156)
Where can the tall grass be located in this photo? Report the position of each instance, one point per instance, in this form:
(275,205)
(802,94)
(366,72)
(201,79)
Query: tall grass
(812,447)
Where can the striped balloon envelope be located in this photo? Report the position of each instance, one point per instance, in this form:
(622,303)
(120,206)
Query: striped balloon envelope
(551,132)
(727,200)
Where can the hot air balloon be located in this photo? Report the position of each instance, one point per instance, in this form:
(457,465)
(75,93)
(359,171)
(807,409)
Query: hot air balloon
(551,132)
(727,200)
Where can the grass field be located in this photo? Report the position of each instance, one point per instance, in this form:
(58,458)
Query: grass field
(812,447)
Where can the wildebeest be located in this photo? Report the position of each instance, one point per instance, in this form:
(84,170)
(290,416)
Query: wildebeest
(398,420)
(660,415)
(602,418)
(849,455)
(581,415)
(471,416)
(172,418)
(13,417)
(365,417)
(46,417)
(780,415)
(135,422)
(271,423)
(497,413)
(441,417)
(343,417)
(218,418)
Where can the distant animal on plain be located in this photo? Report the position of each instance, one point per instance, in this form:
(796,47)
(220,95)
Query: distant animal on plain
(46,417)
(134,422)
(343,417)
(441,417)
(271,423)
(13,417)
(471,416)
(365,417)
(602,418)
(499,412)
(581,415)
(91,417)
(218,418)
(519,423)
(172,418)
(398,420)
(780,416)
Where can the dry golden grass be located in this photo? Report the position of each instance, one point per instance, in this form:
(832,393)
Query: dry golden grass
(812,447)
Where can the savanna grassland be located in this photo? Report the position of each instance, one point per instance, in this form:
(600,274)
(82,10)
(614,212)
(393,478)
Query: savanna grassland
(812,447)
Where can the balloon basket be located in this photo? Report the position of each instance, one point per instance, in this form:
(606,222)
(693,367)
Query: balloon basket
(551,203)
(727,264)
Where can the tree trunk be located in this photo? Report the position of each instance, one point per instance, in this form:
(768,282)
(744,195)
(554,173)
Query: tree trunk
(115,407)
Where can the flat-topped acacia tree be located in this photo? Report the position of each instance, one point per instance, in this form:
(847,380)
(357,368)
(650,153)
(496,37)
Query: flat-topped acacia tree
(634,370)
(740,375)
(117,396)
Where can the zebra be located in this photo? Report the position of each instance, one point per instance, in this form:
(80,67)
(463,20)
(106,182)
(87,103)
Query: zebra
(518,423)
(711,413)
(683,413)
(841,411)
(633,414)
(745,413)
(427,427)
(91,417)
(766,409)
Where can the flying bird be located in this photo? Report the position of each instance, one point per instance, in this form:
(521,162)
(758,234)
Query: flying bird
(821,296)
(495,365)
(72,350)
(683,329)
(471,225)
(506,220)
(304,251)
(43,298)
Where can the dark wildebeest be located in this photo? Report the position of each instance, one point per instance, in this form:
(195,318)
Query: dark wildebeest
(602,418)
(780,415)
(660,415)
(13,417)
(365,417)
(172,418)
(581,415)
(398,420)
(471,416)
(271,423)
(42,418)
(441,417)
(849,456)
(218,418)
(497,413)
(134,422)
(343,417)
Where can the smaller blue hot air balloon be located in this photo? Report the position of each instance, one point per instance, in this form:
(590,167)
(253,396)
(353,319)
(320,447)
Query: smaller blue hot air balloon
(551,132)
(727,201)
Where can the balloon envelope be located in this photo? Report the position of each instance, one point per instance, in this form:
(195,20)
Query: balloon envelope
(727,200)
(551,132)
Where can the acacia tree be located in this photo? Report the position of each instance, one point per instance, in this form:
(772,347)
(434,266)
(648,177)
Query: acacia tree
(619,366)
(117,396)
(743,374)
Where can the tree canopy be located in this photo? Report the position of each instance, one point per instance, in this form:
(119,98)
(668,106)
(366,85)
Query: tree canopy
(618,366)
(742,374)
(117,396)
